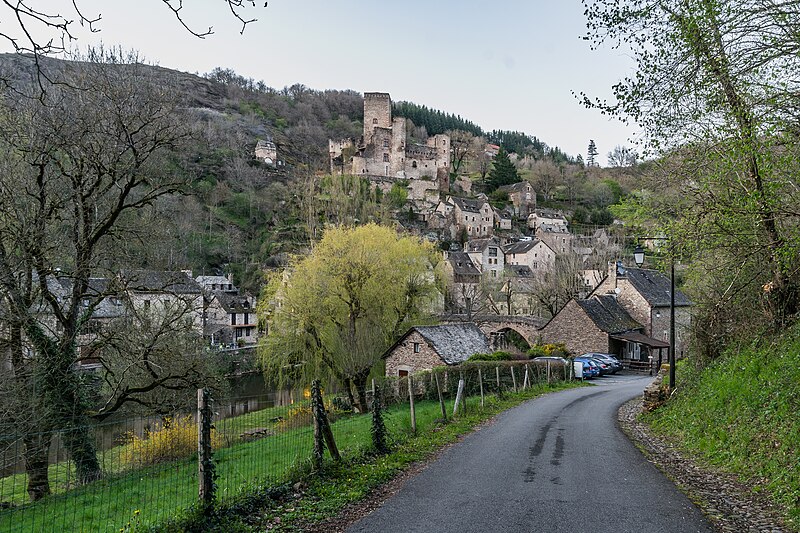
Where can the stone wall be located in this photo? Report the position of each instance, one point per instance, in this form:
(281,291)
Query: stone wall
(404,358)
(576,330)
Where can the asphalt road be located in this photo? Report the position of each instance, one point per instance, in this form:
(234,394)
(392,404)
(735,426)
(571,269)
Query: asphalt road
(555,463)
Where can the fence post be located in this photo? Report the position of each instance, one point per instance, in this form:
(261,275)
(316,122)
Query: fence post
(497,373)
(526,382)
(480,380)
(548,372)
(441,398)
(205,461)
(322,428)
(513,379)
(411,404)
(459,394)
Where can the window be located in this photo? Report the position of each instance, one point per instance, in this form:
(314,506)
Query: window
(239,333)
(246,318)
(374,120)
(494,273)
(386,143)
(147,305)
(385,158)
(413,164)
(416,348)
(233,319)
(492,252)
(402,373)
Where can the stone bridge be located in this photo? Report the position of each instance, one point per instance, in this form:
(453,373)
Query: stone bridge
(495,327)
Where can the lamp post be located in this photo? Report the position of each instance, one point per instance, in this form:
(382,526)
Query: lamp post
(638,258)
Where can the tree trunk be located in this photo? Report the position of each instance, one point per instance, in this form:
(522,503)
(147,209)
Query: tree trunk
(79,441)
(360,382)
(348,385)
(37,446)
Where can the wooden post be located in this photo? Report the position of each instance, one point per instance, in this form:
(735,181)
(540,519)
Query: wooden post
(526,380)
(205,464)
(459,394)
(513,379)
(548,372)
(441,398)
(497,373)
(480,380)
(411,403)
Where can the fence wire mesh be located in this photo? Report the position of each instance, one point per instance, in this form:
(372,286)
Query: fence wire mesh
(150,467)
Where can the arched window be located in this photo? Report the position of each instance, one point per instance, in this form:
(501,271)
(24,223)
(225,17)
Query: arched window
(374,120)
(414,164)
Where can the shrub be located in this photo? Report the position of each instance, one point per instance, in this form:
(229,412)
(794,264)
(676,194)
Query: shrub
(557,349)
(175,439)
(496,356)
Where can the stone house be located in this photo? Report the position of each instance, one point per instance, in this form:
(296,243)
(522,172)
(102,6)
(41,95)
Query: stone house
(217,283)
(230,318)
(427,347)
(535,254)
(502,219)
(487,255)
(476,217)
(645,295)
(557,237)
(382,150)
(522,197)
(166,293)
(597,324)
(463,280)
(267,152)
(549,217)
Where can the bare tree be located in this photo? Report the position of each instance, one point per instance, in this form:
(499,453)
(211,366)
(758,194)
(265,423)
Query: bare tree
(78,164)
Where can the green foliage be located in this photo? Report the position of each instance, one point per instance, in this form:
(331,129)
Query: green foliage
(398,195)
(557,349)
(740,414)
(434,121)
(494,356)
(503,171)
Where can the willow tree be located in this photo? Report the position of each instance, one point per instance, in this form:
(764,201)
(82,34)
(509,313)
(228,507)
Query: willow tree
(715,90)
(340,307)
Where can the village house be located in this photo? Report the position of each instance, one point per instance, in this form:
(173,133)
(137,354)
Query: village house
(267,152)
(167,293)
(557,237)
(535,254)
(474,217)
(230,319)
(463,280)
(547,217)
(487,255)
(427,347)
(597,324)
(217,283)
(645,295)
(522,197)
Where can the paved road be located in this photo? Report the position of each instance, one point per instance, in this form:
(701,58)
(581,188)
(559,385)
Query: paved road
(537,468)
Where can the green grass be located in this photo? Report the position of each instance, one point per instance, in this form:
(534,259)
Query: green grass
(742,414)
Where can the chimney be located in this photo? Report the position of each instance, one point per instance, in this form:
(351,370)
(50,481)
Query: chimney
(612,276)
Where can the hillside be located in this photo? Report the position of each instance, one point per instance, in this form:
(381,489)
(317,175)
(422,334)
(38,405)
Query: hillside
(740,414)
(241,215)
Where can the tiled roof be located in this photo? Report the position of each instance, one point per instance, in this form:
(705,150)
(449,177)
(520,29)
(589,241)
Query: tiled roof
(455,343)
(521,247)
(653,286)
(234,303)
(520,186)
(520,271)
(465,204)
(479,245)
(608,315)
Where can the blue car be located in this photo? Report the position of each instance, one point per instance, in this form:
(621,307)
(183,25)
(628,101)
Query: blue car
(590,368)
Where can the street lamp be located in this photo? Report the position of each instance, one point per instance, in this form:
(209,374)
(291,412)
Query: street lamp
(638,258)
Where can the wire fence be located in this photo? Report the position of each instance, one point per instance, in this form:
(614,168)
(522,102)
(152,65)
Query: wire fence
(152,471)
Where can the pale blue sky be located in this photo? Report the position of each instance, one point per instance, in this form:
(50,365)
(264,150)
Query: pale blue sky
(507,64)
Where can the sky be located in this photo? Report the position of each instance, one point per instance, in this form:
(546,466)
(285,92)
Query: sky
(506,64)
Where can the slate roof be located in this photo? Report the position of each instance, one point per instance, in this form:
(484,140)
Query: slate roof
(465,204)
(234,303)
(454,343)
(462,264)
(521,247)
(479,245)
(520,186)
(608,315)
(520,271)
(160,281)
(653,286)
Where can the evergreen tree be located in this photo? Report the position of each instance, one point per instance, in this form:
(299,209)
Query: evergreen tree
(503,171)
(591,154)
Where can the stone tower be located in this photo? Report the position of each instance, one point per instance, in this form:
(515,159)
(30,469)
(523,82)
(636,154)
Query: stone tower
(377,113)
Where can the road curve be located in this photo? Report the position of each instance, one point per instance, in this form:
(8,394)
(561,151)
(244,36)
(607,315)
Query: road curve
(556,463)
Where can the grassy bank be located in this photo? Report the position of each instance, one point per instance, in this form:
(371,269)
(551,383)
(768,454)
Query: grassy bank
(742,414)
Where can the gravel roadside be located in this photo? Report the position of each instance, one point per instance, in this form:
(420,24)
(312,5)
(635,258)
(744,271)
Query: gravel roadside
(729,504)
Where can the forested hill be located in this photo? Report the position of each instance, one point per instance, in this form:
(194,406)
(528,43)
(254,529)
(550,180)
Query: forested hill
(241,215)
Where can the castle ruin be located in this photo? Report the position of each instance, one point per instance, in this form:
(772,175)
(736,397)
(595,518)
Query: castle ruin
(383,154)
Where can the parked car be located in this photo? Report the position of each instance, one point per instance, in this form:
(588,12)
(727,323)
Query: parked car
(587,370)
(609,359)
(594,368)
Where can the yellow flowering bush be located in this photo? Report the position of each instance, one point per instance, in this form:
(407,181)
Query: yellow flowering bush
(176,438)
